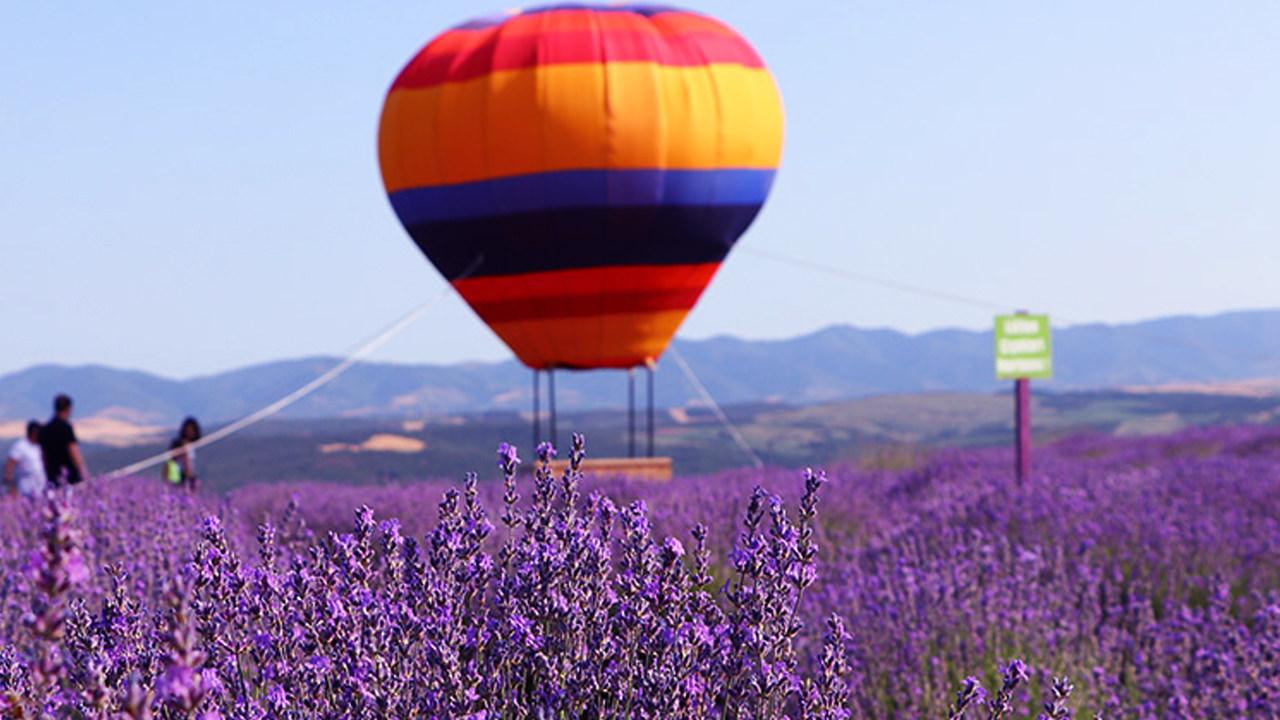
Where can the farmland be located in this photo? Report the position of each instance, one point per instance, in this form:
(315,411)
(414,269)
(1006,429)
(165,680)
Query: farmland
(1144,571)
(861,431)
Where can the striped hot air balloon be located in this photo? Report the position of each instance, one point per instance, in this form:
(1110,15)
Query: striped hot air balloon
(579,173)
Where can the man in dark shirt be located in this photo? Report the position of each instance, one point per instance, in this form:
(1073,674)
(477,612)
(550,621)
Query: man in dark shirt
(59,446)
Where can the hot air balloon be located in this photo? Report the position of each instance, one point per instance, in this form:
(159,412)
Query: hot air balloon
(578,173)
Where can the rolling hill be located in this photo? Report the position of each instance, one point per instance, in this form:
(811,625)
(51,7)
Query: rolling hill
(835,363)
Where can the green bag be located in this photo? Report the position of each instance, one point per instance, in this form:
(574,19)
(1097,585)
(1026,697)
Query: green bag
(173,472)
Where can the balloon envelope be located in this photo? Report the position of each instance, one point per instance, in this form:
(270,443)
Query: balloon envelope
(579,173)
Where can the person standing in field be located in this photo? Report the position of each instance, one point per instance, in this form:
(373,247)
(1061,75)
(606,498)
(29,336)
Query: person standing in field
(181,467)
(63,461)
(24,468)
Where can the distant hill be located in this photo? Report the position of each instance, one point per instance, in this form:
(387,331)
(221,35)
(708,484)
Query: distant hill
(835,363)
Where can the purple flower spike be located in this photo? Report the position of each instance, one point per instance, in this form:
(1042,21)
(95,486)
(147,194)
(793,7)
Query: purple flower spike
(1148,566)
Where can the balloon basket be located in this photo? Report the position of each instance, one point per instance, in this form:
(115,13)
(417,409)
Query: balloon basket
(657,469)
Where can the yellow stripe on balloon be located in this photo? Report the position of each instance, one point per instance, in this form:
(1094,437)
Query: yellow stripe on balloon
(581,116)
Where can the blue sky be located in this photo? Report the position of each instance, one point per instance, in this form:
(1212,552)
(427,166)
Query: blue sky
(186,189)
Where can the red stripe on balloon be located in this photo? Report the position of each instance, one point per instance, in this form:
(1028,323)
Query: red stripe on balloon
(456,59)
(583,306)
(621,279)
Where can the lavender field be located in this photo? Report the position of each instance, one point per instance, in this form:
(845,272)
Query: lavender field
(1126,579)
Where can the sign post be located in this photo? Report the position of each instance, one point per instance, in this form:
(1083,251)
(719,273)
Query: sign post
(1022,426)
(1024,351)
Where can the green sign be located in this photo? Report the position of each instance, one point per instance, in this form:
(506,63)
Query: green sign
(1023,347)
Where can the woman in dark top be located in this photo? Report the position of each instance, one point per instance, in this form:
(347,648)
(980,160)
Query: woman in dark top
(181,469)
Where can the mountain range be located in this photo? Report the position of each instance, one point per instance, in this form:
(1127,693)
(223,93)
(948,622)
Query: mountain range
(831,364)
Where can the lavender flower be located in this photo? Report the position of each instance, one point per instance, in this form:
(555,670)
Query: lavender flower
(1056,707)
(60,570)
(1147,566)
(970,695)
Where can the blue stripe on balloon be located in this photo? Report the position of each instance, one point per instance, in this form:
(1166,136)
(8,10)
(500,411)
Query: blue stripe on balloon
(582,189)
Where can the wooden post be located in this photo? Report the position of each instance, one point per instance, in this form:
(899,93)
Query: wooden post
(1022,416)
(650,367)
(1022,424)
(551,403)
(537,420)
(631,412)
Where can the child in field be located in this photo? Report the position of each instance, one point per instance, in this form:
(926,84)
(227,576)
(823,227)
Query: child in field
(24,468)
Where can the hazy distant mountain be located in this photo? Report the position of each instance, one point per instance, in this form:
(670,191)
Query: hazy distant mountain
(838,362)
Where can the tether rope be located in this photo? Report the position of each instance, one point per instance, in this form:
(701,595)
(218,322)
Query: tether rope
(715,407)
(876,280)
(320,381)
(984,303)
(399,325)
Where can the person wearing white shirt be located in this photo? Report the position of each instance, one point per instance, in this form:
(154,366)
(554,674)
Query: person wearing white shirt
(24,468)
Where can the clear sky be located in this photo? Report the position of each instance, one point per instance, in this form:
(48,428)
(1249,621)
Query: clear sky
(191,187)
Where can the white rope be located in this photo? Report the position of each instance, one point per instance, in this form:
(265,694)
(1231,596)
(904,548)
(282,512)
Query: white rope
(328,376)
(986,304)
(715,408)
(875,280)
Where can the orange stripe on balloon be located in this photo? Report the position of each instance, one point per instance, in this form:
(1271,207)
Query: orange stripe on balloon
(581,116)
(614,341)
